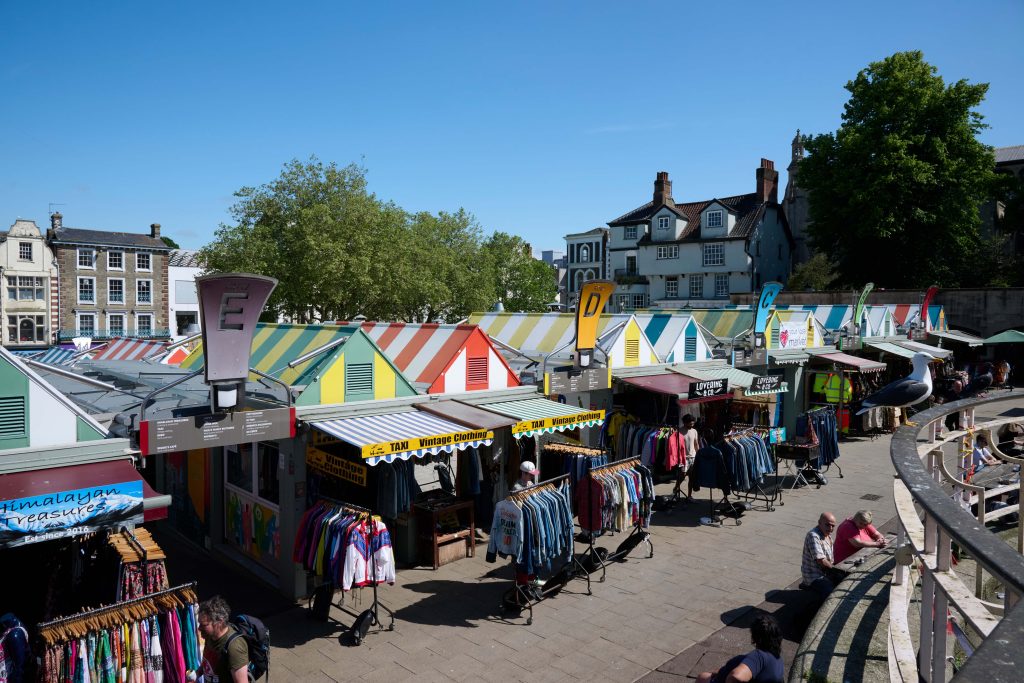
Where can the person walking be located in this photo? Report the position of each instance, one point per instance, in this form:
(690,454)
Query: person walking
(225,652)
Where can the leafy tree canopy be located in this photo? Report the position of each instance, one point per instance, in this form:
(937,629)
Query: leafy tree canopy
(338,251)
(895,192)
(169,242)
(817,274)
(522,282)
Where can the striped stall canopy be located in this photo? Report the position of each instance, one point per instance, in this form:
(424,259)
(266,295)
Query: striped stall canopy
(958,335)
(894,349)
(676,336)
(404,435)
(123,348)
(927,348)
(539,416)
(446,358)
(51,356)
(725,323)
(906,314)
(788,356)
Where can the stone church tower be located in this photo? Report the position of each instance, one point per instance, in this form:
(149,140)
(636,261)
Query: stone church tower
(795,204)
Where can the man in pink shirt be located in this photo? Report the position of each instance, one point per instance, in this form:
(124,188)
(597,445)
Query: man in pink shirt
(855,533)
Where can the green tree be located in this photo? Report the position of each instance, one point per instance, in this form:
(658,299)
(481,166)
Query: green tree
(522,283)
(817,273)
(895,192)
(169,242)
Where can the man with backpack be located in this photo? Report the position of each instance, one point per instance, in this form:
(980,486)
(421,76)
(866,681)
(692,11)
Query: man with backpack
(235,648)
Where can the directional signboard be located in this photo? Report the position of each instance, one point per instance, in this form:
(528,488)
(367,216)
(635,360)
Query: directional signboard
(569,381)
(212,430)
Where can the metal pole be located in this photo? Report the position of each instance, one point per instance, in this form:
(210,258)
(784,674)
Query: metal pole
(79,378)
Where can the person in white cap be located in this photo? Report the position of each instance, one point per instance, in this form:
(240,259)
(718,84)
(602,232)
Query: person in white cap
(527,476)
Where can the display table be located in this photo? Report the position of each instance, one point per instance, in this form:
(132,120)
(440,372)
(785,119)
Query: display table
(445,528)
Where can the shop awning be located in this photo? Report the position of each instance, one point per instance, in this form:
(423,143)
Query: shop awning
(539,416)
(788,356)
(400,436)
(670,384)
(861,364)
(958,336)
(894,349)
(75,499)
(936,351)
(128,349)
(747,381)
(468,415)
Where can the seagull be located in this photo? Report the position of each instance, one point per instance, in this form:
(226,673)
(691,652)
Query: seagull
(904,392)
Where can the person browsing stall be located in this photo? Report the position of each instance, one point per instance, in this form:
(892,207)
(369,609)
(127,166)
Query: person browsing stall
(690,444)
(763,664)
(816,563)
(855,533)
(527,476)
(225,659)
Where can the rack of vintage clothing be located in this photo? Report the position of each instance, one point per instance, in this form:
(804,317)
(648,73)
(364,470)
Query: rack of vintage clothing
(143,567)
(660,447)
(155,637)
(748,450)
(534,527)
(615,497)
(348,547)
(576,461)
(711,470)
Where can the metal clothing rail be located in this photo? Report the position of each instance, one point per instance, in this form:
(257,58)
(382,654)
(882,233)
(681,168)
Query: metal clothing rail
(117,606)
(518,597)
(373,613)
(636,536)
(751,494)
(134,543)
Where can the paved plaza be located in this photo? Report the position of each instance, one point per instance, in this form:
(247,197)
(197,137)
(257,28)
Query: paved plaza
(648,611)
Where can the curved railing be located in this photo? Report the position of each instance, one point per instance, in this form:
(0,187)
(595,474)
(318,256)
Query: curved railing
(930,521)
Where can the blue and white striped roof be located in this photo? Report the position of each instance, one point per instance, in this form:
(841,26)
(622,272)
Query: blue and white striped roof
(51,356)
(410,424)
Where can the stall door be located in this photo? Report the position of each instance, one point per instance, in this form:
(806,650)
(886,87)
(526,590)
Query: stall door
(251,501)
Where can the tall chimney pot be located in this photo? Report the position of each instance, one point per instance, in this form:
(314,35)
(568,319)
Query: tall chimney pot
(663,190)
(767,182)
(56,220)
(154,230)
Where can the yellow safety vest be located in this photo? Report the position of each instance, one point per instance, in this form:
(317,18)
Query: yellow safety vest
(829,385)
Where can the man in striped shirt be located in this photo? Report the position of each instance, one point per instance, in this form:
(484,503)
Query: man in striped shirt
(816,562)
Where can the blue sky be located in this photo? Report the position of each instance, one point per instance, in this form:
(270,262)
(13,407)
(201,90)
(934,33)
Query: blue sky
(540,118)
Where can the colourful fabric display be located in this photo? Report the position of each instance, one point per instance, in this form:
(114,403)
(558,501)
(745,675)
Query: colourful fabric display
(352,549)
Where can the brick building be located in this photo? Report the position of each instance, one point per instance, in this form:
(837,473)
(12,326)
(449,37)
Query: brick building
(111,284)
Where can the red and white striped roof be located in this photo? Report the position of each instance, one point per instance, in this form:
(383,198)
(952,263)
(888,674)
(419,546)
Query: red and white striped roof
(446,358)
(123,348)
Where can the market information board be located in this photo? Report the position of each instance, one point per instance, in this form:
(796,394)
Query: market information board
(215,430)
(708,388)
(568,381)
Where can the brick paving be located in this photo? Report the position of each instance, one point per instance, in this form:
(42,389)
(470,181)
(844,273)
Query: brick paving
(645,619)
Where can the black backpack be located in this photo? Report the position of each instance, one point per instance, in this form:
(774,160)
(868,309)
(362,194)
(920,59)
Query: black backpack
(257,638)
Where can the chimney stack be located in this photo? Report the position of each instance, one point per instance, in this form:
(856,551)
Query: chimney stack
(154,230)
(663,190)
(767,182)
(56,220)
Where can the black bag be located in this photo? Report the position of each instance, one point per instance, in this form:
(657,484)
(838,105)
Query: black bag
(362,625)
(557,582)
(592,561)
(257,638)
(320,602)
(663,503)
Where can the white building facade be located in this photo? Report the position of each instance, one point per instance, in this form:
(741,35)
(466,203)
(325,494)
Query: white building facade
(28,298)
(586,259)
(182,299)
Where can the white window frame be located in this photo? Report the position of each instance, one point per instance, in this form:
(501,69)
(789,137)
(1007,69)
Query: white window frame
(668,251)
(630,232)
(641,299)
(584,253)
(21,247)
(715,219)
(714,254)
(92,258)
(78,323)
(16,283)
(671,288)
(149,256)
(110,325)
(138,324)
(664,223)
(112,267)
(623,302)
(719,278)
(124,295)
(38,328)
(137,299)
(78,289)
(696,286)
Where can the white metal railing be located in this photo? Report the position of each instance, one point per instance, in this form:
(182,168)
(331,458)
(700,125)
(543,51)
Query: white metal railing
(930,520)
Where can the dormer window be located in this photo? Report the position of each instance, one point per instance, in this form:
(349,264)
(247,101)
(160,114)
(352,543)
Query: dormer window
(663,223)
(630,232)
(714,219)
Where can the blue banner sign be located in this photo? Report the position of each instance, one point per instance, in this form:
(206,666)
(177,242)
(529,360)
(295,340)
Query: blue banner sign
(69,513)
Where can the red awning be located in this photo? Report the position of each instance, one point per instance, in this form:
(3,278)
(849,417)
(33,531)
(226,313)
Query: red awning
(58,479)
(671,384)
(128,349)
(862,364)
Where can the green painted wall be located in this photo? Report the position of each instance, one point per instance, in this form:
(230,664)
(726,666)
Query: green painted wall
(14,384)
(86,432)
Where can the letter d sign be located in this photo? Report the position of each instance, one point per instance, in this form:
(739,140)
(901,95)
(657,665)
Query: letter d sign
(593,297)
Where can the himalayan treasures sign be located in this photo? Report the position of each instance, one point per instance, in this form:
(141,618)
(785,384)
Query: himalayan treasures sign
(211,430)
(336,467)
(708,388)
(440,441)
(574,381)
(70,513)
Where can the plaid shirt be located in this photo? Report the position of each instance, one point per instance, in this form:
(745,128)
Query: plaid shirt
(816,546)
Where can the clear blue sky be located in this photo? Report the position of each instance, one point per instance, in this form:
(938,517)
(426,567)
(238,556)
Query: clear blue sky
(540,118)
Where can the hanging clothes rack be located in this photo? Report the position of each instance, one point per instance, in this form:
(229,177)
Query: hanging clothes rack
(373,613)
(637,535)
(757,493)
(519,597)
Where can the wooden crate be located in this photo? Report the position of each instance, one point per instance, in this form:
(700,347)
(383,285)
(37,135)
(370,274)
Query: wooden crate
(451,551)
